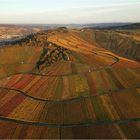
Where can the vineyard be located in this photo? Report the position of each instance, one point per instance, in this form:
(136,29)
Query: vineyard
(64,84)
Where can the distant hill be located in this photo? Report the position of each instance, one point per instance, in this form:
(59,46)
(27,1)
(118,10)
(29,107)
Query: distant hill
(48,26)
(104,25)
(117,26)
(129,26)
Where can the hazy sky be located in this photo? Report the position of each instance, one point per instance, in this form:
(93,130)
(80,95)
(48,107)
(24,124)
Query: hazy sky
(69,11)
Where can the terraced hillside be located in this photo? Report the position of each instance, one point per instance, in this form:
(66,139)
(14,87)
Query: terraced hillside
(122,42)
(64,84)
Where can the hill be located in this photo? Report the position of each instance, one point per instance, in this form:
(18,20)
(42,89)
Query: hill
(67,83)
(14,31)
(129,26)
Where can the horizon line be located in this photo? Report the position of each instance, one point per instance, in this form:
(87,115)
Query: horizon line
(66,23)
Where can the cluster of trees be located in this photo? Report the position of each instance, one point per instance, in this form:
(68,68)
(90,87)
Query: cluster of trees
(52,55)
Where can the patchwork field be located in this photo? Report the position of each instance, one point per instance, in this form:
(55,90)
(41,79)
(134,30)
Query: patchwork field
(63,84)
